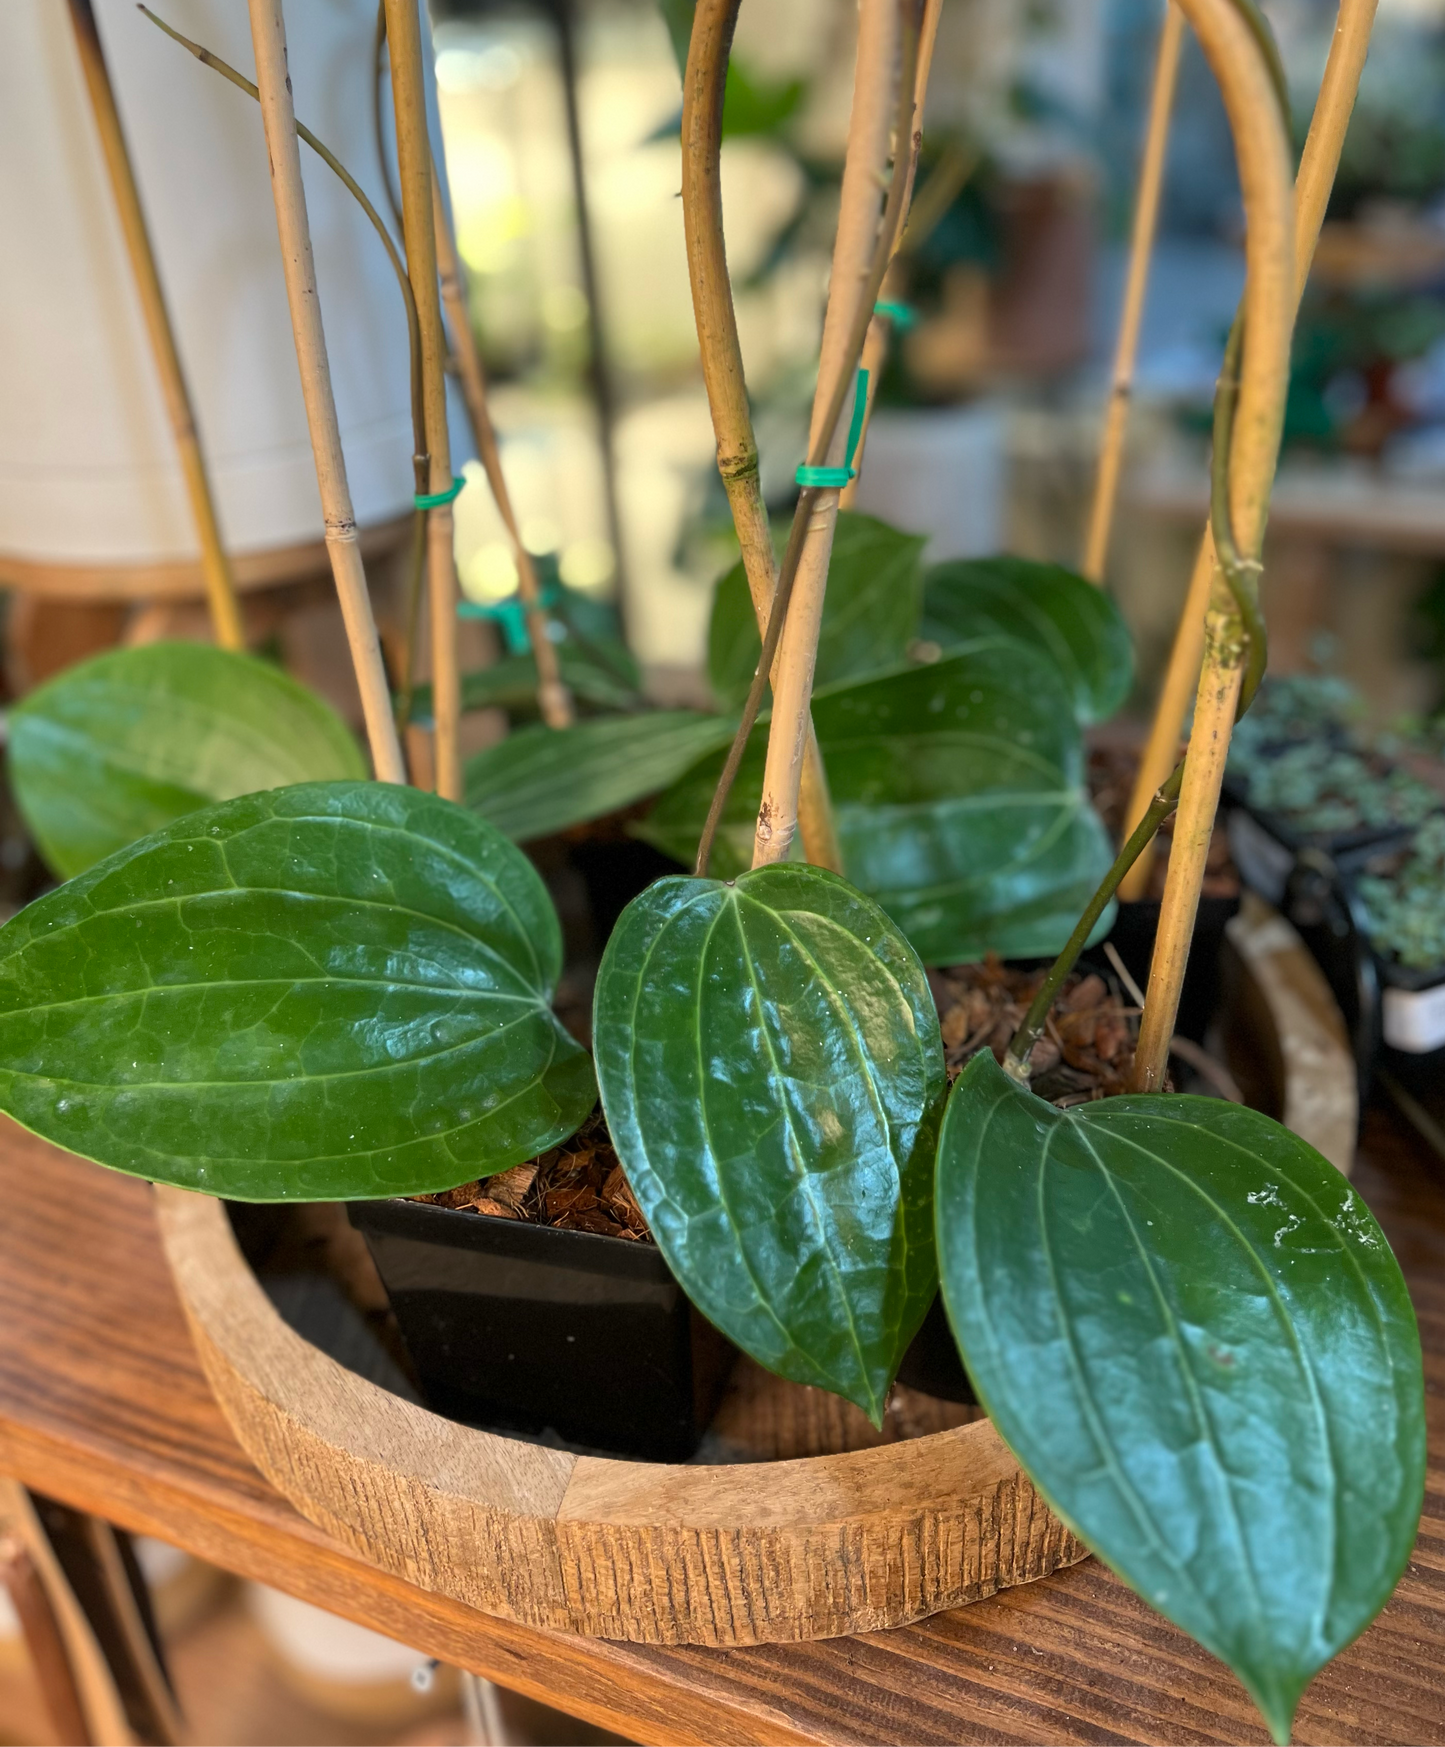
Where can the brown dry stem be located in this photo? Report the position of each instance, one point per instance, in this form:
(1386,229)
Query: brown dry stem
(1318,165)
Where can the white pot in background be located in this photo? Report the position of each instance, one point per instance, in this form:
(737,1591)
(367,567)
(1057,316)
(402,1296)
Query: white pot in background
(88,470)
(940,471)
(346,1669)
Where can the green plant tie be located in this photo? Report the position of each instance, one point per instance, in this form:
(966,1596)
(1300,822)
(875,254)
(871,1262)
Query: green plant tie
(510,615)
(835,478)
(433,500)
(902,315)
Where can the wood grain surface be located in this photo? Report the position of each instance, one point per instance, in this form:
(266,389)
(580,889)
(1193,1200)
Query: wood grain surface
(720,1554)
(103,1404)
(182,578)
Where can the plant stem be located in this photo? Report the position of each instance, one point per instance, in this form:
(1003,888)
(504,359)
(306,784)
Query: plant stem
(220,584)
(852,292)
(268,35)
(553,699)
(880,327)
(378,53)
(704,84)
(1251,427)
(1141,249)
(893,216)
(1318,165)
(411,619)
(420,459)
(413,146)
(1016,1060)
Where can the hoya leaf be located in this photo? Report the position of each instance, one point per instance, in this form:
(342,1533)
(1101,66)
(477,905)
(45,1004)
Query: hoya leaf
(677,16)
(959,799)
(1050,608)
(1194,1337)
(757,106)
(542,780)
(870,610)
(772,1072)
(335,991)
(118,746)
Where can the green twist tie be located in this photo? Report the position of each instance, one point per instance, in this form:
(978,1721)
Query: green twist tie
(434,500)
(902,315)
(509,615)
(835,478)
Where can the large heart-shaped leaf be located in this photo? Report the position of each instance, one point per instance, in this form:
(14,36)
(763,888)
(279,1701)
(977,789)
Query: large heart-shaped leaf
(541,780)
(1049,608)
(117,747)
(333,991)
(960,803)
(772,1072)
(870,611)
(1195,1338)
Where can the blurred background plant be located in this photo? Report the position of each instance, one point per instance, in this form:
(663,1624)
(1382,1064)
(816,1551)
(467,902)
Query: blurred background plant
(1013,270)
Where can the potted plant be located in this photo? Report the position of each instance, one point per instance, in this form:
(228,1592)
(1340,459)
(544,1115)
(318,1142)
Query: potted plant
(1303,776)
(1181,1319)
(1372,918)
(1402,897)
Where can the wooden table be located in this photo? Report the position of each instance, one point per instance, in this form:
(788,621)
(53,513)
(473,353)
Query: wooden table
(103,1406)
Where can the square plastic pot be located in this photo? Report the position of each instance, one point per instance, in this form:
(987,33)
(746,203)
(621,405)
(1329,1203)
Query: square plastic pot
(556,1334)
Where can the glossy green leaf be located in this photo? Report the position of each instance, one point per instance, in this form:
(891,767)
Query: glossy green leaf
(1051,609)
(772,1072)
(332,991)
(607,680)
(870,611)
(117,747)
(677,16)
(541,780)
(959,795)
(1194,1337)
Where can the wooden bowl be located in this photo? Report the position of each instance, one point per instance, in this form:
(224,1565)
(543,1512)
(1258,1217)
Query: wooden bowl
(749,1552)
(731,1554)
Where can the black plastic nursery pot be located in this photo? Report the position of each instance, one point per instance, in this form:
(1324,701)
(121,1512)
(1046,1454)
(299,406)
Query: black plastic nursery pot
(534,1329)
(1132,937)
(932,1365)
(1395,1014)
(1266,847)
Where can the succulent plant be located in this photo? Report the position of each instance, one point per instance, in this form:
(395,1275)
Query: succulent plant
(1405,907)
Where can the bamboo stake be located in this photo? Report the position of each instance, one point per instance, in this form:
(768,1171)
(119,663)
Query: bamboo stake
(420,460)
(378,73)
(413,150)
(1318,165)
(268,35)
(215,566)
(553,698)
(864,172)
(1247,471)
(880,327)
(843,390)
(704,83)
(1141,250)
